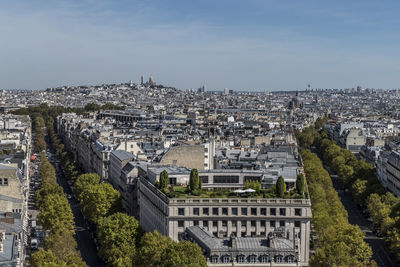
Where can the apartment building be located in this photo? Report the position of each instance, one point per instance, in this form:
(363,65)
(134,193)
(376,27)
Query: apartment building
(224,217)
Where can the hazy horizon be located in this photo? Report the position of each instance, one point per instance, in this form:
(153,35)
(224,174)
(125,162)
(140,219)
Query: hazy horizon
(241,45)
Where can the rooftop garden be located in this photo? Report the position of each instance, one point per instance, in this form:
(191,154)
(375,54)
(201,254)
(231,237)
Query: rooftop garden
(252,189)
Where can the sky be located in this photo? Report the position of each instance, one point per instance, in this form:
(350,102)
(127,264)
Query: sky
(241,45)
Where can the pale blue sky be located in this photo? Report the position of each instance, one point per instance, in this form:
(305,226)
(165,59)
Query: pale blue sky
(242,45)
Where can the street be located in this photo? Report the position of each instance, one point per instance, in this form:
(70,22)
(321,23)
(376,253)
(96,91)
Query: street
(379,249)
(83,237)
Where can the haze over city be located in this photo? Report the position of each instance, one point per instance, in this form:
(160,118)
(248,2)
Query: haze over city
(241,45)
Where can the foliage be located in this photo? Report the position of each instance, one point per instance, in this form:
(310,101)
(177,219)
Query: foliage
(158,250)
(62,244)
(55,213)
(300,184)
(45,191)
(280,186)
(194,180)
(43,258)
(118,237)
(99,200)
(255,185)
(84,181)
(164,180)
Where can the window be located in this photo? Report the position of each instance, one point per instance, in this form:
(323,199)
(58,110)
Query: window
(226,259)
(296,223)
(181,223)
(272,211)
(281,223)
(224,211)
(278,258)
(214,259)
(253,211)
(196,211)
(244,234)
(272,223)
(1,181)
(195,223)
(282,211)
(290,259)
(204,179)
(263,211)
(224,223)
(205,211)
(225,179)
(215,211)
(205,223)
(262,233)
(181,211)
(264,258)
(5,181)
(244,211)
(253,233)
(243,223)
(234,211)
(297,212)
(172,180)
(215,223)
(252,258)
(240,259)
(215,234)
(234,234)
(253,223)
(262,223)
(234,223)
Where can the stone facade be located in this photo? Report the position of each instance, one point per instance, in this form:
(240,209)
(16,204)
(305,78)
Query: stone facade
(223,217)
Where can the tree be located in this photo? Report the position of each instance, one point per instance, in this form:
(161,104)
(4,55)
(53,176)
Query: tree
(346,173)
(358,190)
(337,162)
(184,254)
(280,186)
(43,192)
(43,258)
(61,243)
(158,250)
(152,248)
(100,200)
(300,184)
(255,185)
(194,180)
(55,213)
(84,181)
(164,180)
(118,237)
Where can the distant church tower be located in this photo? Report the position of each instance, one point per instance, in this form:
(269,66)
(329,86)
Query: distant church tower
(142,80)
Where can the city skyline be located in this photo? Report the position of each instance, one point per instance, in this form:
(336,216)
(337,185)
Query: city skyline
(257,45)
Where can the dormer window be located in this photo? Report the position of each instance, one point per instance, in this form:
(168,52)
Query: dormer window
(5,182)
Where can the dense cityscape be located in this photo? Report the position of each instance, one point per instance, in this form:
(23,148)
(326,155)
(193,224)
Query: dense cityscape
(199,133)
(139,174)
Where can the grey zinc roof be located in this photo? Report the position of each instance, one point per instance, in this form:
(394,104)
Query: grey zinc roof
(122,155)
(251,244)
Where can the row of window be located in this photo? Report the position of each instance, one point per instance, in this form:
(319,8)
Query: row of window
(243,223)
(252,259)
(3,181)
(235,211)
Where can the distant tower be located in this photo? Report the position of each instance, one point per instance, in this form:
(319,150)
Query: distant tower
(309,87)
(151,81)
(141,80)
